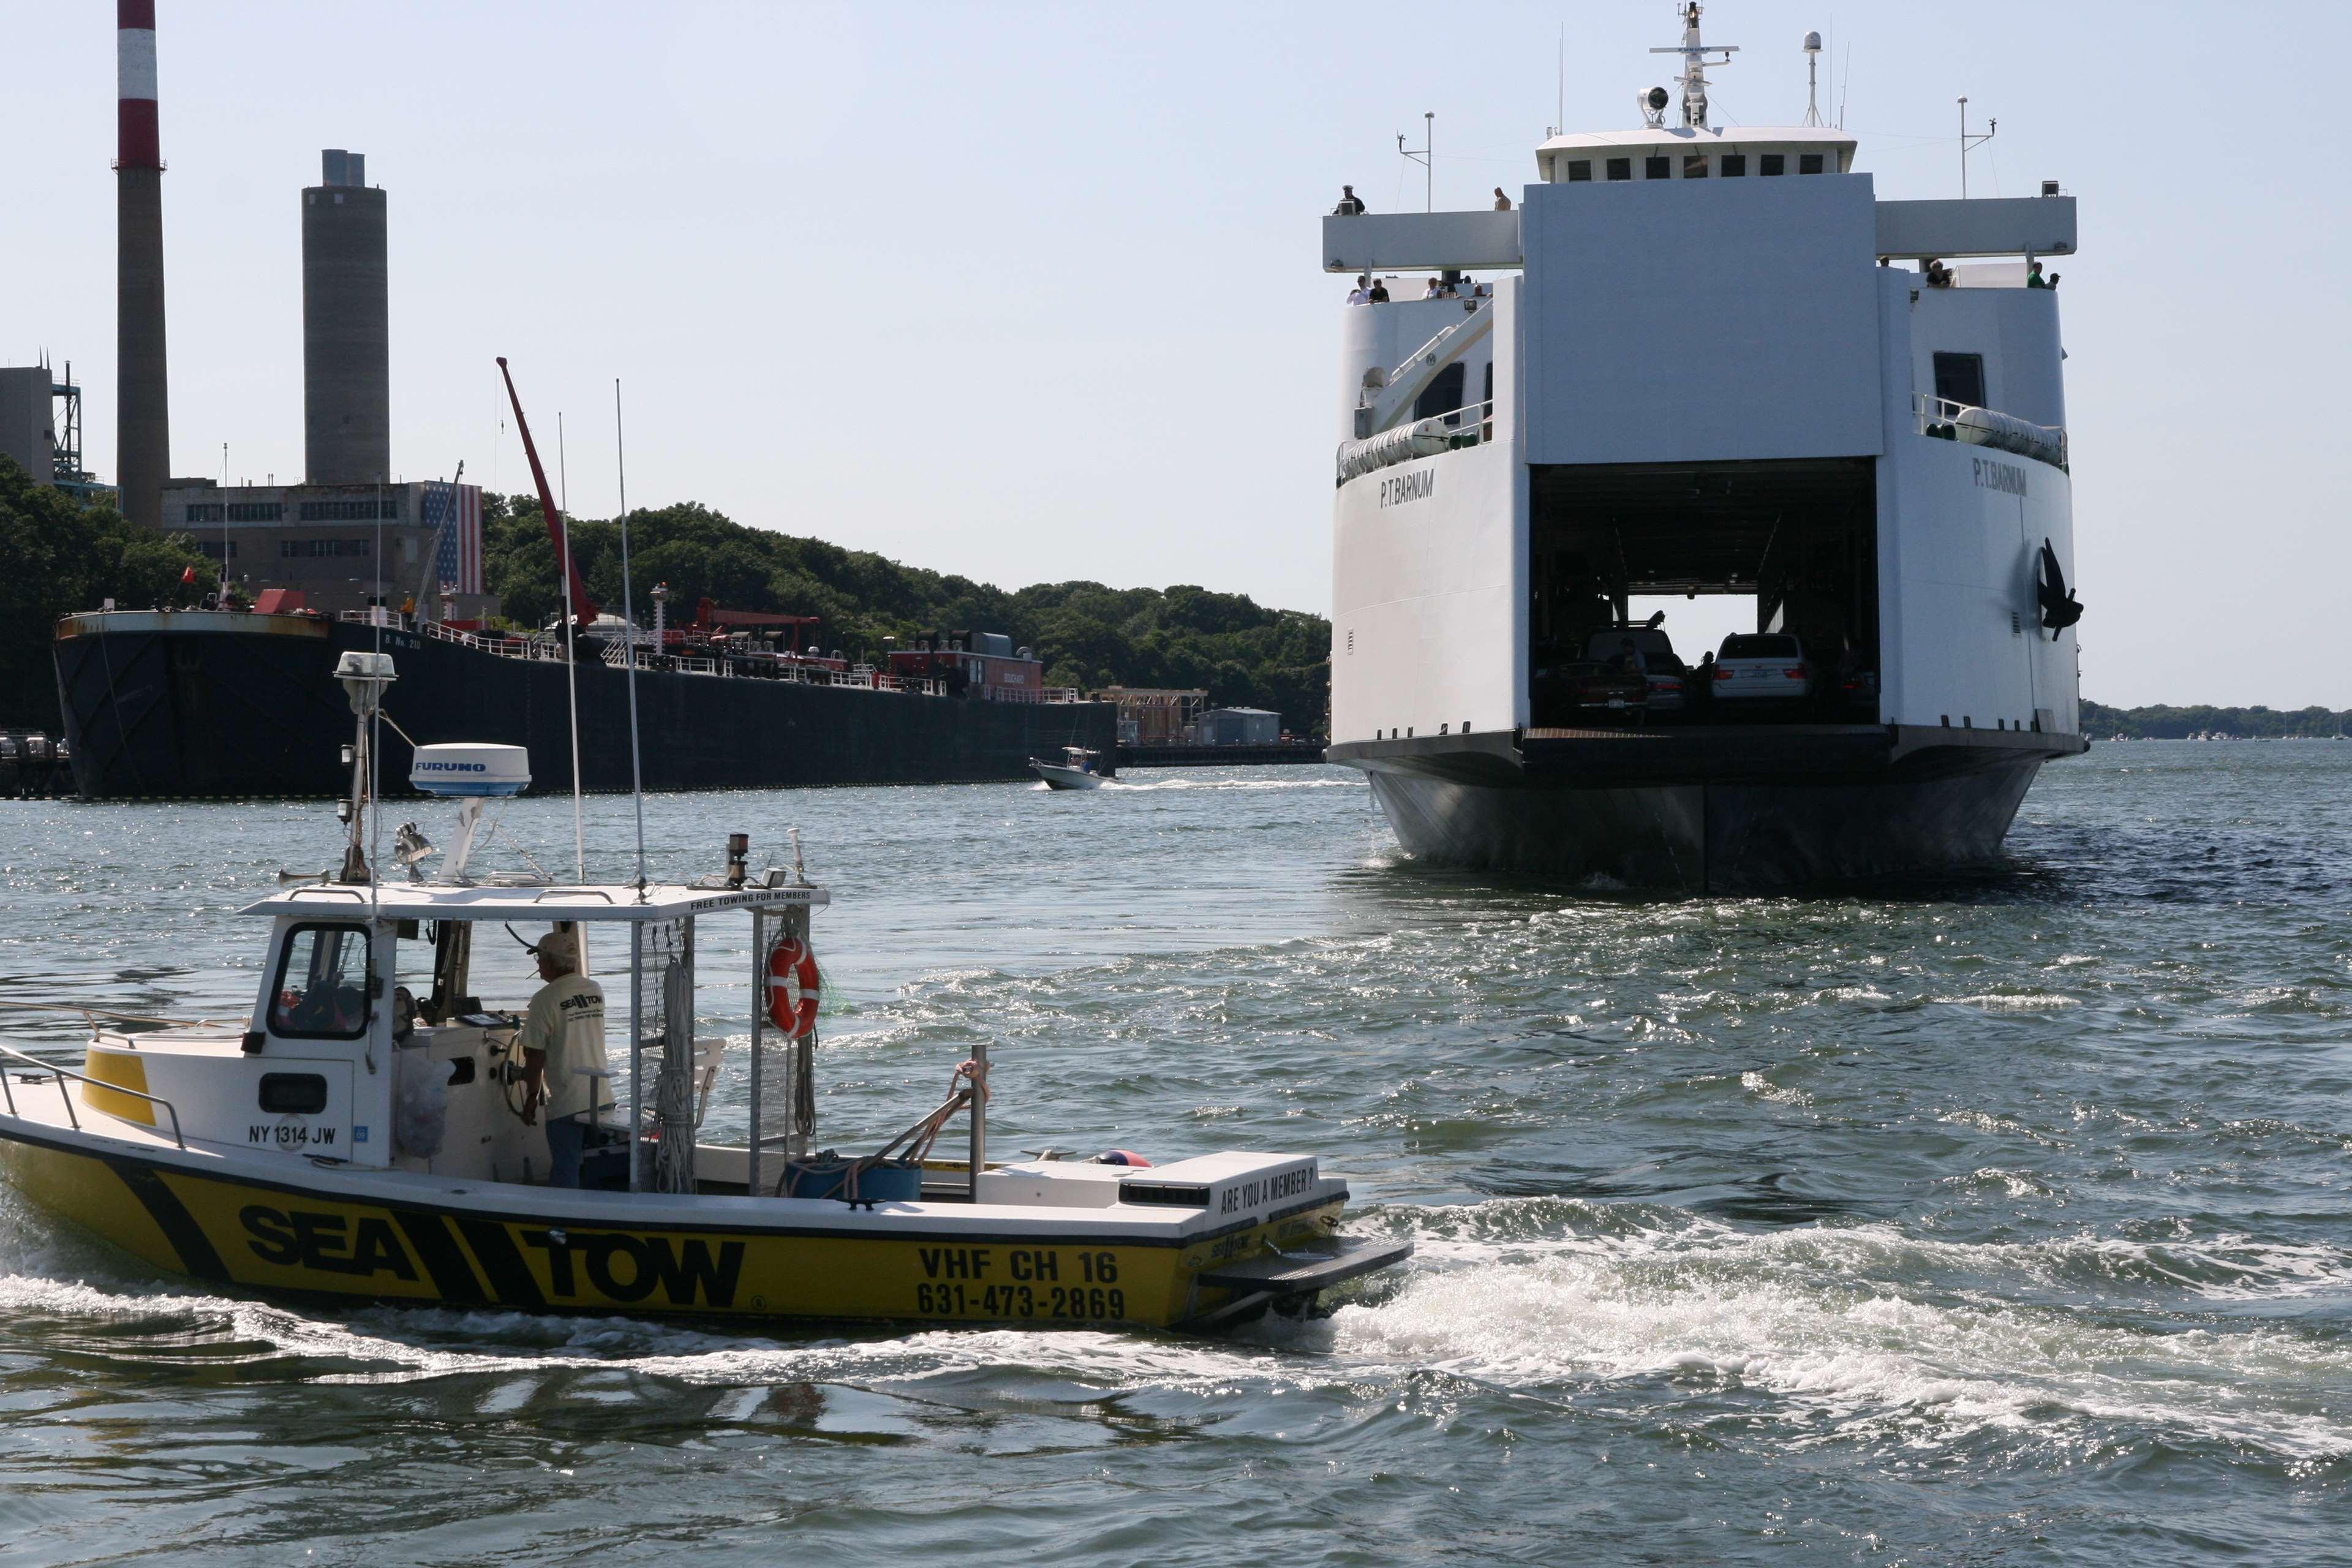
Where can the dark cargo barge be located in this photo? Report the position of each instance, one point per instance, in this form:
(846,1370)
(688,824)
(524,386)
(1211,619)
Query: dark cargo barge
(223,704)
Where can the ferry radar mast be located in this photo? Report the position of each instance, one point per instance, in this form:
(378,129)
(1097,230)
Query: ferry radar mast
(1694,77)
(1812,61)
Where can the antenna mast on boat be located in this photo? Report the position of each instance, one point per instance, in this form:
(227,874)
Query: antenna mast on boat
(1969,141)
(629,644)
(571,654)
(1694,77)
(582,607)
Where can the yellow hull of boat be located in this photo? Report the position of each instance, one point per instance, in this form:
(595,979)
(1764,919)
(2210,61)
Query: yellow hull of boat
(228,1231)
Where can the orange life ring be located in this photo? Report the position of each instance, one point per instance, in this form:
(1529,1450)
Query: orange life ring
(792,984)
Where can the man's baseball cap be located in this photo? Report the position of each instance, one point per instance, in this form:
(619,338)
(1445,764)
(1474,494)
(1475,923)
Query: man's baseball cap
(561,947)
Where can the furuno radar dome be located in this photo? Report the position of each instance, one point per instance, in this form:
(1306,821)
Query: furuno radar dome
(461,770)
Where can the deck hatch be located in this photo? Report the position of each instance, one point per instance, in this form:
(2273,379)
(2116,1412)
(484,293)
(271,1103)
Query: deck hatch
(1168,1194)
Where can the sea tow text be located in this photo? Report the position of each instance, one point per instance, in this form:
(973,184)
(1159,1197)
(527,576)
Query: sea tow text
(1019,1263)
(960,1301)
(1241,1195)
(622,1268)
(327,1242)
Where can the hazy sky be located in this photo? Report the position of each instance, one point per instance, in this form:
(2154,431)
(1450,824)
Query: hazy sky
(1033,293)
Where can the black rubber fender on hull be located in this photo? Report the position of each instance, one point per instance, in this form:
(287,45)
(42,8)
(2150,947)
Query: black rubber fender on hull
(1711,836)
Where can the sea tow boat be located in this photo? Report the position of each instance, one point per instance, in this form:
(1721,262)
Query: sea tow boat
(363,1135)
(1074,771)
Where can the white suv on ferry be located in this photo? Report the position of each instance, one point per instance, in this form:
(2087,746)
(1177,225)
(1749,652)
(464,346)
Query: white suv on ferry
(1756,667)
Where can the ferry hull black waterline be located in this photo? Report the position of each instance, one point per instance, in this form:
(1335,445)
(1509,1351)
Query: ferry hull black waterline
(205,704)
(1746,810)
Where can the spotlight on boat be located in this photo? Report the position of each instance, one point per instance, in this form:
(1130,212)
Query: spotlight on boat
(738,852)
(411,848)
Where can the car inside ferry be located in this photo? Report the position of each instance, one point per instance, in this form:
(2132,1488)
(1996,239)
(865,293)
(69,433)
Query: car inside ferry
(1783,553)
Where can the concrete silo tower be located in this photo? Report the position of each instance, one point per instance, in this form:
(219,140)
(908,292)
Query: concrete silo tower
(346,332)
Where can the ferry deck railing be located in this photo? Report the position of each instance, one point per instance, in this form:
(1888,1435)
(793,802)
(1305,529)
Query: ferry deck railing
(8,1090)
(544,650)
(1947,420)
(1471,424)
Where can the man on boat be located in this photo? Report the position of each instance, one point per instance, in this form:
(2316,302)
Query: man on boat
(564,1041)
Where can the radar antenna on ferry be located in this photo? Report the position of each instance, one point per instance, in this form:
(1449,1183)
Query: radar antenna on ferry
(1694,77)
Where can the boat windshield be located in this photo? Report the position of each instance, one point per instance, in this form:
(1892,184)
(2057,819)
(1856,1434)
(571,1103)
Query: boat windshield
(322,984)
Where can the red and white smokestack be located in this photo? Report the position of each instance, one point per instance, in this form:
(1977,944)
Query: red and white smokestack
(138,144)
(142,420)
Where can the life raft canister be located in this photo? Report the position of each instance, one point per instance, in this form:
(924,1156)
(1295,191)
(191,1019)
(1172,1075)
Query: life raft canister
(792,984)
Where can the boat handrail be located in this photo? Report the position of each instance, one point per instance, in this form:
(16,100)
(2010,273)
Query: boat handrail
(8,1091)
(1949,420)
(614,655)
(1468,426)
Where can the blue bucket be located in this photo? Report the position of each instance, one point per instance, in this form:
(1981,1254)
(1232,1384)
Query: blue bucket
(827,1176)
(819,1176)
(889,1182)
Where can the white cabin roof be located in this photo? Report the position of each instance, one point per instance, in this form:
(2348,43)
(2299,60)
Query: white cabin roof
(573,901)
(1682,138)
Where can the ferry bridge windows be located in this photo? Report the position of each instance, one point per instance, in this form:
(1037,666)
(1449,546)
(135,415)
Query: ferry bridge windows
(1693,165)
(322,984)
(1772,164)
(1960,378)
(1621,168)
(293,1093)
(1580,170)
(1657,168)
(1735,165)
(1808,163)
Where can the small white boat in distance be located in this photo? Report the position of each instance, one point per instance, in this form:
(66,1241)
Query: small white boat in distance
(1074,771)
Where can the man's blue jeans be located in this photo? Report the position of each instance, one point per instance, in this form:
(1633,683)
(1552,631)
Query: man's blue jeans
(567,1138)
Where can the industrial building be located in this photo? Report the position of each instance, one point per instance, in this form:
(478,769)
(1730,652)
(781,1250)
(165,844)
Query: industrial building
(1238,727)
(40,427)
(142,418)
(348,537)
(27,430)
(346,326)
(324,540)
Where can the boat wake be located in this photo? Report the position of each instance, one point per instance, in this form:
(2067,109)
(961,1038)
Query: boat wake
(2071,1348)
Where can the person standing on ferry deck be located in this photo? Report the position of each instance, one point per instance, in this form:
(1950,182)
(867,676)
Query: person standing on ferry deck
(1350,203)
(563,1040)
(1502,202)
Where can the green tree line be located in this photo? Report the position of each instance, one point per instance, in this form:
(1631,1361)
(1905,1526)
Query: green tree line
(56,556)
(2162,723)
(1088,635)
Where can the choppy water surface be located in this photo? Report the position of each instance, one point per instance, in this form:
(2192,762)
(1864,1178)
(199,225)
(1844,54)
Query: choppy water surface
(2003,1220)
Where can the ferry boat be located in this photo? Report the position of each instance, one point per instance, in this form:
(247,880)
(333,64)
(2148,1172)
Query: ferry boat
(1695,360)
(365,1137)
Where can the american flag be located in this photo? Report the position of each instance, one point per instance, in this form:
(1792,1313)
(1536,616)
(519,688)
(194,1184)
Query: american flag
(460,562)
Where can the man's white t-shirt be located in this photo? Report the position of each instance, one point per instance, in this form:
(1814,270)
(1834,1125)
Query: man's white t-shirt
(566,1020)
